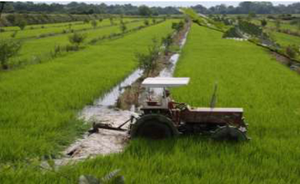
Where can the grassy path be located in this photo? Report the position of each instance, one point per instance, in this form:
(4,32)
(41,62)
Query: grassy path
(39,103)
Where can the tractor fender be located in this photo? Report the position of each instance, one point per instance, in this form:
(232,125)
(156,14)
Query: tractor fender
(158,119)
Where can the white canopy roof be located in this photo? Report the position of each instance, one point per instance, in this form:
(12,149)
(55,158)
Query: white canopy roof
(163,82)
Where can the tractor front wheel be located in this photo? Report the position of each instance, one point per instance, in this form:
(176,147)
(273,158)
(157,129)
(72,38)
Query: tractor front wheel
(229,133)
(153,126)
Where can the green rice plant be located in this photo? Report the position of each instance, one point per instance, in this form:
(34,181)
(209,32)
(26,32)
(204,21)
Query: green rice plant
(248,78)
(30,33)
(39,103)
(32,48)
(285,39)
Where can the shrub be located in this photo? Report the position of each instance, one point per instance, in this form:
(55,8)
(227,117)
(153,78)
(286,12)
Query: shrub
(146,22)
(86,21)
(2,30)
(167,41)
(277,24)
(123,27)
(72,48)
(14,34)
(11,18)
(101,19)
(56,52)
(263,22)
(21,22)
(77,38)
(94,23)
(111,19)
(153,21)
(148,61)
(178,26)
(8,49)
(291,51)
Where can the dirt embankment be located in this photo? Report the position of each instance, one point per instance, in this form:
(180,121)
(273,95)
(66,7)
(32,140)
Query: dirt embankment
(131,94)
(295,66)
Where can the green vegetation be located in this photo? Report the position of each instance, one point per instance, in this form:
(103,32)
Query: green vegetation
(39,103)
(32,52)
(52,30)
(285,39)
(8,49)
(247,77)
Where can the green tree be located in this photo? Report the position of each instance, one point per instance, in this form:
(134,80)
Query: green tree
(94,23)
(146,22)
(123,27)
(145,10)
(8,49)
(77,38)
(251,15)
(147,61)
(111,19)
(1,7)
(153,20)
(20,22)
(277,24)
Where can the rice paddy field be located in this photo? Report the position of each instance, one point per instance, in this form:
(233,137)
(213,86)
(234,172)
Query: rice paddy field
(31,51)
(48,30)
(39,105)
(285,39)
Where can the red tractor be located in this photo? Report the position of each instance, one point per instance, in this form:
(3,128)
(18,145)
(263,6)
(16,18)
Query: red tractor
(162,117)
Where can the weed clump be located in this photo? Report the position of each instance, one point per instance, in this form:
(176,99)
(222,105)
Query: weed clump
(8,49)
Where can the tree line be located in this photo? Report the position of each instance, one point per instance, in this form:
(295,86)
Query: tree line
(128,9)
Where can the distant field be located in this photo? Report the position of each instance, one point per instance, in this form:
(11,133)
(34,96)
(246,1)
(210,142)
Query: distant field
(42,26)
(37,33)
(283,25)
(32,50)
(285,39)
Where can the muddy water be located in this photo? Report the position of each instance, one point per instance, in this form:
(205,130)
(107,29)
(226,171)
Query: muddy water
(104,111)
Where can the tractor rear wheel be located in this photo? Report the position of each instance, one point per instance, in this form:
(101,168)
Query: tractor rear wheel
(229,133)
(153,126)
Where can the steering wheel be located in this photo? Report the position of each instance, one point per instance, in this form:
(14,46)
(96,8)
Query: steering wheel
(180,106)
